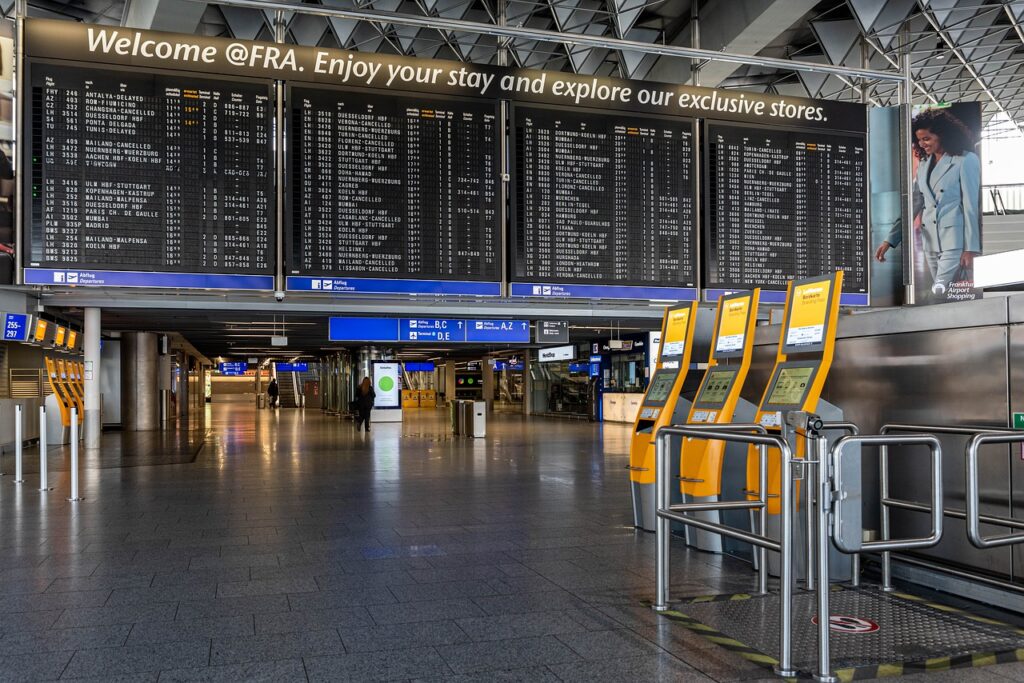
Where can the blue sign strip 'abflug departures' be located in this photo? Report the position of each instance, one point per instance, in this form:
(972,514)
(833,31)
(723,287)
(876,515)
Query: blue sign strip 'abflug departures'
(428,330)
(132,278)
(358,285)
(603,292)
(775,297)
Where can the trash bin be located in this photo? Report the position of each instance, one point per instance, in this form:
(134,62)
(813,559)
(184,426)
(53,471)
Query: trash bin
(476,419)
(260,401)
(454,408)
(463,413)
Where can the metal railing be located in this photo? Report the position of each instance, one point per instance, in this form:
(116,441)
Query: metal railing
(1002,199)
(667,513)
(973,502)
(827,491)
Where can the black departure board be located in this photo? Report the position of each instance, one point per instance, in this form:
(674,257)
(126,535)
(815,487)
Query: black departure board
(783,204)
(394,187)
(156,173)
(604,199)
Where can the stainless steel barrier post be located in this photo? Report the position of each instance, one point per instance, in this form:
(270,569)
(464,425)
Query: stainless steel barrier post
(74,456)
(662,529)
(19,436)
(785,666)
(762,552)
(883,480)
(823,482)
(42,450)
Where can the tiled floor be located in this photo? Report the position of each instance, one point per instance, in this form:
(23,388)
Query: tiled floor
(293,548)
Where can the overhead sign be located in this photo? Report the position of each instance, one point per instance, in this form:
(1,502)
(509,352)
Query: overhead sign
(557,353)
(418,330)
(386,385)
(424,366)
(552,332)
(233,369)
(72,339)
(16,326)
(40,331)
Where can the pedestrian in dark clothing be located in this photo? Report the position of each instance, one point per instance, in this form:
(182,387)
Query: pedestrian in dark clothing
(364,400)
(273,392)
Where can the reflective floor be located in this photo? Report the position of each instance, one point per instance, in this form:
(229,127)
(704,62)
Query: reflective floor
(293,548)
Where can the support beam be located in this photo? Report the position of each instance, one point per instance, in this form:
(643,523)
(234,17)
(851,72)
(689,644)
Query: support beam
(743,27)
(179,16)
(578,39)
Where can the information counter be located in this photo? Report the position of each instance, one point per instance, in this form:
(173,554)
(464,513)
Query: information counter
(621,407)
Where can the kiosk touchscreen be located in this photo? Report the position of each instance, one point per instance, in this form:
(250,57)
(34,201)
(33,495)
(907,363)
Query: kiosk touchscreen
(661,401)
(703,468)
(806,348)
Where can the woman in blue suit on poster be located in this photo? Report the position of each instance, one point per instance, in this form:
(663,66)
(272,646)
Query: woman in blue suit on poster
(947,197)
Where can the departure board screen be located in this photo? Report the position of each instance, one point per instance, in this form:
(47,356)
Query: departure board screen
(393,187)
(603,199)
(160,174)
(785,204)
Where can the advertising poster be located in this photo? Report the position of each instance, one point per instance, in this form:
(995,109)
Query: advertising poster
(387,386)
(6,152)
(947,203)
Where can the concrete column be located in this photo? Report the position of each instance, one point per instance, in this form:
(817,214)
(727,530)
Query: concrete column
(488,371)
(183,386)
(140,393)
(527,384)
(93,405)
(449,381)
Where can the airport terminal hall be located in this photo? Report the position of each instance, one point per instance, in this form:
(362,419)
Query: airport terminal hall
(511,341)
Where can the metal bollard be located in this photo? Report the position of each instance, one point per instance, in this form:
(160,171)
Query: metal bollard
(19,477)
(42,450)
(74,456)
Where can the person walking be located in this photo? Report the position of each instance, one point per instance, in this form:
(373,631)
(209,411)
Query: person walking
(364,403)
(273,392)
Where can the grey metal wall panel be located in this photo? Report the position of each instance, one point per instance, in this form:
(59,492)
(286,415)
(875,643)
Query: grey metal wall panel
(1015,353)
(946,377)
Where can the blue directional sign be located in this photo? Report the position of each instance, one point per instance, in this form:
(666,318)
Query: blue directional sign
(233,369)
(424,366)
(291,367)
(445,330)
(498,331)
(431,330)
(15,327)
(362,329)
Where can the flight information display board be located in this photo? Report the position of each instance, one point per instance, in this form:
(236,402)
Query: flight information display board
(149,180)
(784,204)
(604,205)
(393,193)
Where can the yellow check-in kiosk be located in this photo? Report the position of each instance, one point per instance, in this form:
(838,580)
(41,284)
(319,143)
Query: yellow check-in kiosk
(662,405)
(704,473)
(802,363)
(69,372)
(58,431)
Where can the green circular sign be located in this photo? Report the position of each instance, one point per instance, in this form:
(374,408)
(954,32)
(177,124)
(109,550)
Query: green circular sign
(386,383)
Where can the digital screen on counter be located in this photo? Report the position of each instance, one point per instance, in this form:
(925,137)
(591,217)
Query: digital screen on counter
(791,386)
(163,180)
(716,387)
(661,387)
(783,204)
(394,187)
(603,199)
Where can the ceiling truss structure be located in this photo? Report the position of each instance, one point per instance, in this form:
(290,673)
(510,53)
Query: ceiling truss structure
(960,50)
